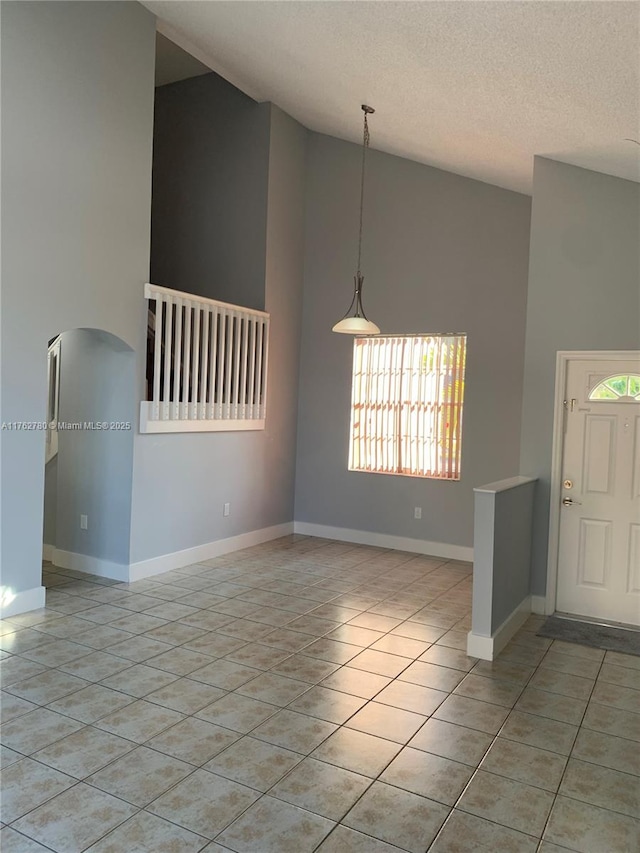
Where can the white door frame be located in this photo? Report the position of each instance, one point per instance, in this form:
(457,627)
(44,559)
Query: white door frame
(563,358)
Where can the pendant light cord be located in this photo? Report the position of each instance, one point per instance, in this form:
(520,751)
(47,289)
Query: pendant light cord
(357,323)
(365,145)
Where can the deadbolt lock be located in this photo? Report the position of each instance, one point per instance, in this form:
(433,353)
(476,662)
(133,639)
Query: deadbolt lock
(567,484)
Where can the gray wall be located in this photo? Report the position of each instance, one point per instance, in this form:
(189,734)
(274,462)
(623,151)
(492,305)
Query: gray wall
(502,551)
(441,253)
(584,287)
(77,112)
(182,480)
(94,467)
(284,287)
(50,506)
(210,165)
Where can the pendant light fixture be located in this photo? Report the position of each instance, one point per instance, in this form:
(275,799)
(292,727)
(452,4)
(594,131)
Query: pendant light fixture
(356,323)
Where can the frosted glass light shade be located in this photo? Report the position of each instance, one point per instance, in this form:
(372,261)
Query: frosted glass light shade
(356,326)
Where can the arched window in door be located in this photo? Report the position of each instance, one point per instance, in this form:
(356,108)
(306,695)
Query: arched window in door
(624,388)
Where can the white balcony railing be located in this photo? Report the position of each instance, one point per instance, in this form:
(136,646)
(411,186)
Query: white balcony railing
(206,364)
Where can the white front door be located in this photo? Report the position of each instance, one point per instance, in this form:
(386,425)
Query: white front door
(599,550)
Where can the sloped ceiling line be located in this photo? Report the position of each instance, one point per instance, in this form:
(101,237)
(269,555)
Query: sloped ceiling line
(476,88)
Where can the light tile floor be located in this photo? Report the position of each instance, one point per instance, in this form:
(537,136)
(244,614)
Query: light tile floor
(301,696)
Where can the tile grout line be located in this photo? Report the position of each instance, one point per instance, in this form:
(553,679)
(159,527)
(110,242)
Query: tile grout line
(564,772)
(477,768)
(139,698)
(444,595)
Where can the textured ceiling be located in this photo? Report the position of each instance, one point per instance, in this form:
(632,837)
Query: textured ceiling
(473,87)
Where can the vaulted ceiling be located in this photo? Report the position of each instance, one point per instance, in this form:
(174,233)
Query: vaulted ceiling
(477,88)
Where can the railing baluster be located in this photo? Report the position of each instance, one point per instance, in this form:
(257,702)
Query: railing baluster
(193,397)
(166,344)
(237,345)
(253,326)
(228,366)
(186,364)
(221,363)
(202,398)
(212,367)
(177,359)
(242,396)
(157,350)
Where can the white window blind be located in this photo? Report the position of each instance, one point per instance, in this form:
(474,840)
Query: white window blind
(407,398)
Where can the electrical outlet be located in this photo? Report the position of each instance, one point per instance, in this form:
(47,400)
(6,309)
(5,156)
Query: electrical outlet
(226,509)
(84,522)
(417,512)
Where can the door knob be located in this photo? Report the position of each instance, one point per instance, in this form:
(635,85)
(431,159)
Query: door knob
(570,502)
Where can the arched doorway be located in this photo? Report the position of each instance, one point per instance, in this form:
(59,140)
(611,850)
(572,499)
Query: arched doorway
(89,457)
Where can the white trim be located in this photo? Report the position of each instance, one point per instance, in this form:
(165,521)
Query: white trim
(479,647)
(152,291)
(179,559)
(563,357)
(166,562)
(562,362)
(47,552)
(148,425)
(53,399)
(539,606)
(385,540)
(488,648)
(90,565)
(22,602)
(505,485)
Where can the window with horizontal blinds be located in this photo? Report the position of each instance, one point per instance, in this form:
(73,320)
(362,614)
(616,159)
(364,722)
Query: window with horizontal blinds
(406,405)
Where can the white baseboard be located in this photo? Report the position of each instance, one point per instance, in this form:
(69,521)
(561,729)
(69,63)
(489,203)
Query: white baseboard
(47,551)
(178,559)
(384,540)
(488,648)
(90,565)
(166,562)
(539,605)
(11,604)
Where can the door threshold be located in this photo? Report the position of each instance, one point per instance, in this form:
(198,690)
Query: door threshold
(595,621)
